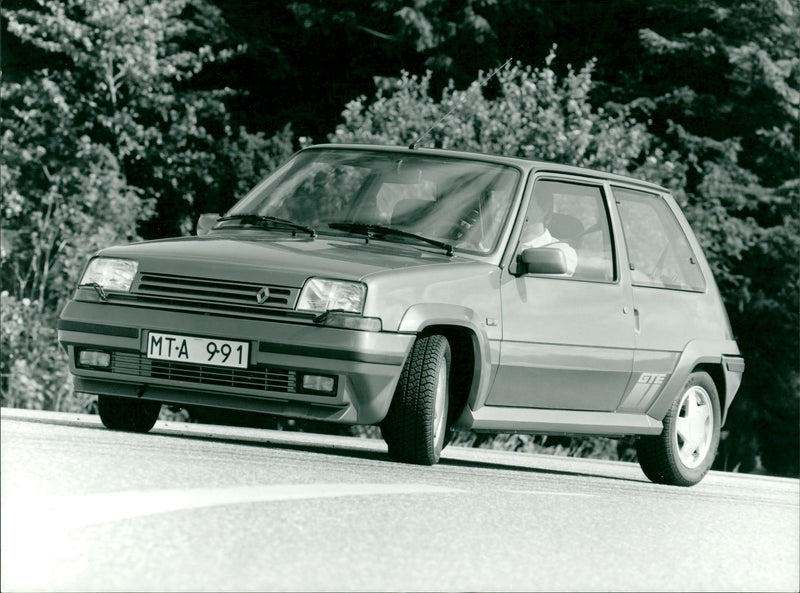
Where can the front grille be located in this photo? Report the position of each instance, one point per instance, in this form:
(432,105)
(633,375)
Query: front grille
(260,378)
(219,292)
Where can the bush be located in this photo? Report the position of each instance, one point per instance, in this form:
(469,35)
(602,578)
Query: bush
(93,148)
(522,111)
(33,366)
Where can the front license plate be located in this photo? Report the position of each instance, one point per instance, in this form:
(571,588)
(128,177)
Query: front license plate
(223,353)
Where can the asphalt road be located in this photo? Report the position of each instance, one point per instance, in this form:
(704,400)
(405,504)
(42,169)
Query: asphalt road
(207,508)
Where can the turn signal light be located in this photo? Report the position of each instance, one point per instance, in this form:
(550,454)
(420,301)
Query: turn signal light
(94,358)
(319,384)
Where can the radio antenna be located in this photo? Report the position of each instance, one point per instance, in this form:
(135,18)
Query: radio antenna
(413,145)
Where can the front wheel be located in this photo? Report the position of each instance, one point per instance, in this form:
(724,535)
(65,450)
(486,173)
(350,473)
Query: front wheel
(123,413)
(684,451)
(416,425)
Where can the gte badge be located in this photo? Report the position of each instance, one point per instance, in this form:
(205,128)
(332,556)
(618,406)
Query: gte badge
(645,390)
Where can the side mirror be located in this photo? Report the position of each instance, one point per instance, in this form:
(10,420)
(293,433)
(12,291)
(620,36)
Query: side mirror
(541,260)
(205,222)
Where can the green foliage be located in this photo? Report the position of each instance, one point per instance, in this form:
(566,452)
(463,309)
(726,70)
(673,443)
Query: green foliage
(745,225)
(248,158)
(588,447)
(127,81)
(64,197)
(93,148)
(734,68)
(437,28)
(35,375)
(133,113)
(532,114)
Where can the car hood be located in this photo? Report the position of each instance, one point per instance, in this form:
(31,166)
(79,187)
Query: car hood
(286,262)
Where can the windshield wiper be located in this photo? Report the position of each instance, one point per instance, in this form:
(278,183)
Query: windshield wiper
(377,230)
(97,288)
(259,220)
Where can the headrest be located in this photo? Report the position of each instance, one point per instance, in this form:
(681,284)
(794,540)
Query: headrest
(565,227)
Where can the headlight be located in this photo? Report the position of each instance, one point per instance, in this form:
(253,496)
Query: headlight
(320,295)
(110,274)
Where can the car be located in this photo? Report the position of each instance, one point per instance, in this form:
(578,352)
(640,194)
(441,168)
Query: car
(422,291)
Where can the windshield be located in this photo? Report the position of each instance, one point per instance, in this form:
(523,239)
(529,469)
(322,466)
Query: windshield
(455,201)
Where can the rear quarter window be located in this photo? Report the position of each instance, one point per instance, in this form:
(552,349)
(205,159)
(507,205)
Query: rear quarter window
(658,250)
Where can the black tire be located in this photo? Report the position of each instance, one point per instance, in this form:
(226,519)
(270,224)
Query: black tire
(684,451)
(416,425)
(131,415)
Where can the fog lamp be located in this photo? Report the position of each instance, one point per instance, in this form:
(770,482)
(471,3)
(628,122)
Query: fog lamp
(319,383)
(94,358)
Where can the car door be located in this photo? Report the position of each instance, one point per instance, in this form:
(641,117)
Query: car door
(568,339)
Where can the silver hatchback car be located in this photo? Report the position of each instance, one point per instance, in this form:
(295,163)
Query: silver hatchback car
(422,290)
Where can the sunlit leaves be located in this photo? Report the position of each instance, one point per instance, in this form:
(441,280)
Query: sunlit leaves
(534,114)
(92,146)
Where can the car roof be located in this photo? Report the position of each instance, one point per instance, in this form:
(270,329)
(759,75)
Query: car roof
(523,163)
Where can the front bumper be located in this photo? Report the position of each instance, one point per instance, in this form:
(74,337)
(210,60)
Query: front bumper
(366,365)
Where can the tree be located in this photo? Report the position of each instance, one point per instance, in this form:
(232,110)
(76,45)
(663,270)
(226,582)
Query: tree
(63,197)
(317,55)
(127,72)
(716,69)
(531,114)
(111,132)
(717,83)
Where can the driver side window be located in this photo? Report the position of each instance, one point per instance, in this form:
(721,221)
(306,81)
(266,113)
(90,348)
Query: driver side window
(571,217)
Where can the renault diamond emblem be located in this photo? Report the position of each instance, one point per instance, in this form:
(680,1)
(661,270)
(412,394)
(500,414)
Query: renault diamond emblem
(263,295)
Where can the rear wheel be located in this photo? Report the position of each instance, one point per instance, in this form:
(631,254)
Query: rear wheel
(416,425)
(123,413)
(684,451)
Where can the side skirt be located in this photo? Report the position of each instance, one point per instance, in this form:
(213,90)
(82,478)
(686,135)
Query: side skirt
(545,421)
